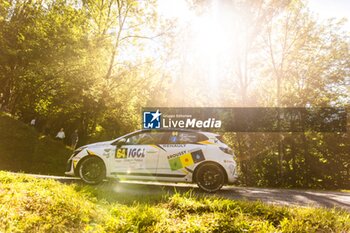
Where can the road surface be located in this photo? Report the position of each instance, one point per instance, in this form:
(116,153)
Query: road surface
(273,196)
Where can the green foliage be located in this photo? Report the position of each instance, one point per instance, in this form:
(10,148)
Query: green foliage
(309,160)
(36,205)
(54,59)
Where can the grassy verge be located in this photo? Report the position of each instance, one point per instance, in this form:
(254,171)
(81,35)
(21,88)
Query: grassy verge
(22,148)
(33,205)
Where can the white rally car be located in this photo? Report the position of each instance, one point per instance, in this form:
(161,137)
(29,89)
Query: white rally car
(171,155)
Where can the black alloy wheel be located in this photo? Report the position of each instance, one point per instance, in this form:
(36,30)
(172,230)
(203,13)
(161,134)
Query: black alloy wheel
(210,177)
(92,170)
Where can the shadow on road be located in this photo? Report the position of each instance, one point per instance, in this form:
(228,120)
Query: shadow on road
(272,196)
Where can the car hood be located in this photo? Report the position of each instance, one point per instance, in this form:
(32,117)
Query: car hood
(106,143)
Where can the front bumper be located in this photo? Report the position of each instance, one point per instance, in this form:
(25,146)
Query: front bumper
(70,168)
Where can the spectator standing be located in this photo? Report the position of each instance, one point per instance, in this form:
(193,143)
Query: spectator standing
(32,122)
(2,101)
(74,139)
(47,130)
(61,135)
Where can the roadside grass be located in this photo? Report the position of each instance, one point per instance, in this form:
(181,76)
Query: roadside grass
(22,148)
(109,193)
(38,205)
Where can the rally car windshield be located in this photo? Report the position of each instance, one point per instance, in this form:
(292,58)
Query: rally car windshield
(145,138)
(186,137)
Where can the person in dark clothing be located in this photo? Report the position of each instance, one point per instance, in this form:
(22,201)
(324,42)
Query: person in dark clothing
(74,139)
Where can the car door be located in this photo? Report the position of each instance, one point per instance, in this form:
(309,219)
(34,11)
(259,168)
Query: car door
(138,156)
(180,154)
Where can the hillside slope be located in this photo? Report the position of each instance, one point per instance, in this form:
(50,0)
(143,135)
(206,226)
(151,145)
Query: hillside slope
(22,148)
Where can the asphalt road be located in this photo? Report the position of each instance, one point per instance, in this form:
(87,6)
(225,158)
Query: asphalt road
(273,196)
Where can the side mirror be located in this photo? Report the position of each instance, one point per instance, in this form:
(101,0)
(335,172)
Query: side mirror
(121,142)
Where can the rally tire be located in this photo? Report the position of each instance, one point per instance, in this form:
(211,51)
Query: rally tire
(210,177)
(92,170)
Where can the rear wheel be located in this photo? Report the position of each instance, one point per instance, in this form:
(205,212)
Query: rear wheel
(210,177)
(92,170)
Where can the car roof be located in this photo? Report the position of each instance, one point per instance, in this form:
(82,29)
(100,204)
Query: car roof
(171,129)
(176,129)
(209,134)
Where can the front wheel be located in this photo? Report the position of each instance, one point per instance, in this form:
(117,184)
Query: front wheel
(92,170)
(210,177)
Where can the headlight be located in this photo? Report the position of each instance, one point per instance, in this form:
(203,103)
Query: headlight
(226,150)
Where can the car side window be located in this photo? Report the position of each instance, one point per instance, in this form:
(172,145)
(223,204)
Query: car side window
(145,138)
(184,137)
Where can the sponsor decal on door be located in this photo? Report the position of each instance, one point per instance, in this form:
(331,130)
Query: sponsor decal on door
(185,159)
